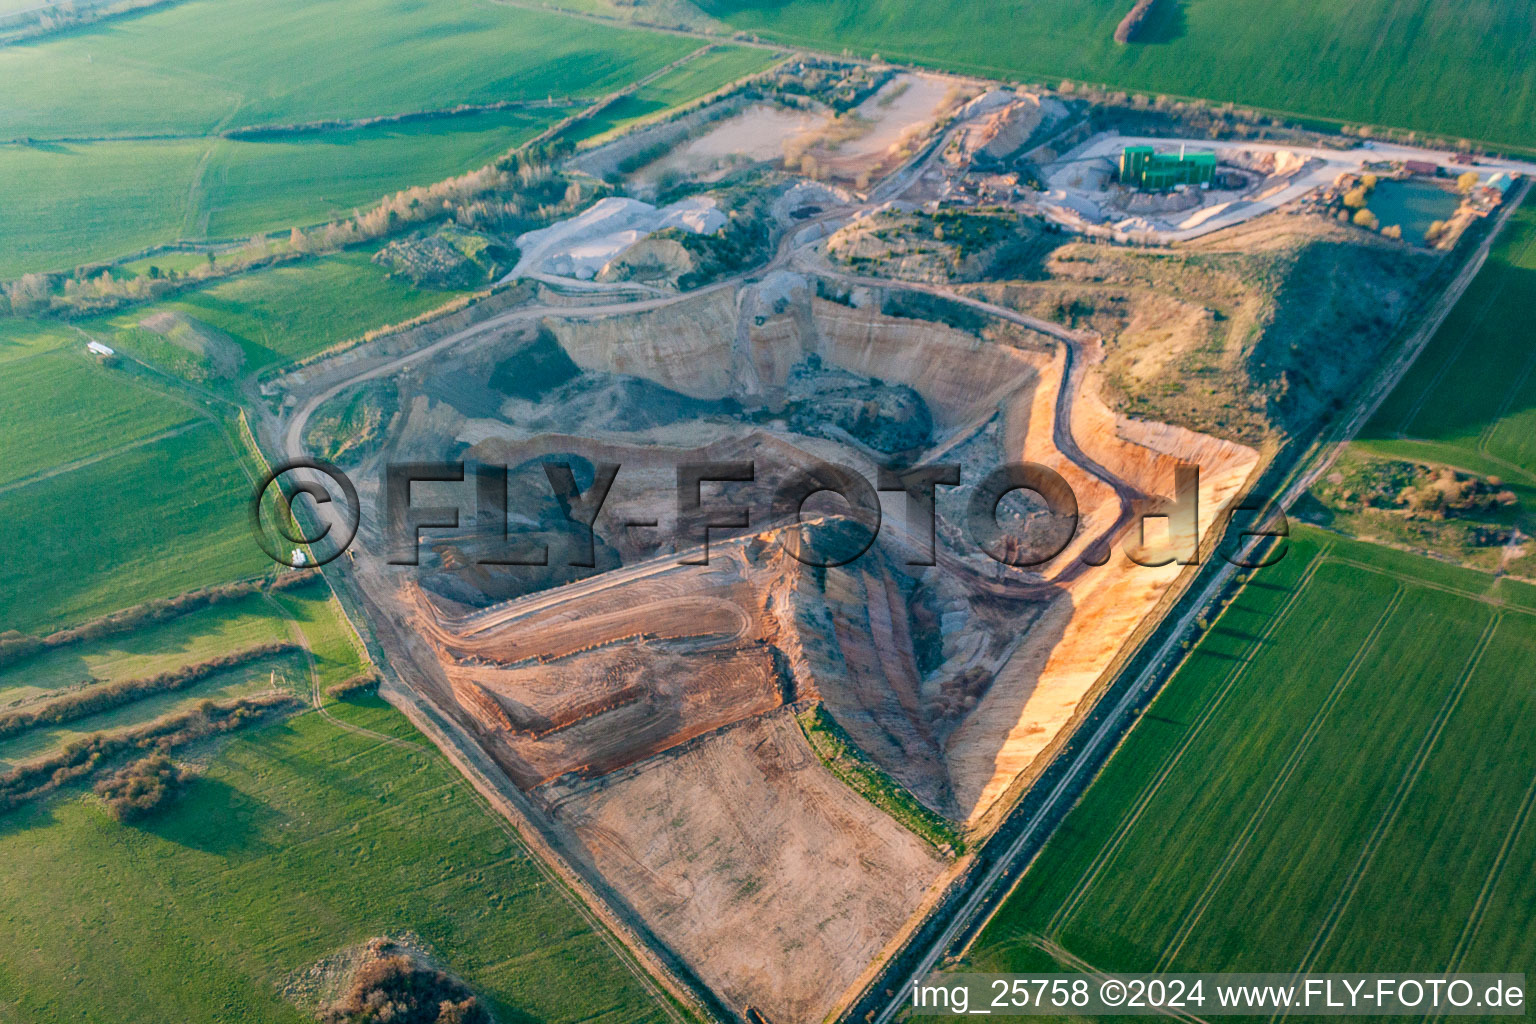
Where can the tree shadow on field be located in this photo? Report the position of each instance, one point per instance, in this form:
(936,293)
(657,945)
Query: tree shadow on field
(214,817)
(56,670)
(1164,24)
(505,1014)
(1487,381)
(1205,652)
(33,814)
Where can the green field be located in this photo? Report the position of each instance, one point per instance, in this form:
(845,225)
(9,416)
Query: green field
(284,313)
(1458,67)
(203,66)
(1312,790)
(63,204)
(188,639)
(1470,398)
(699,77)
(115,492)
(297,839)
(144,522)
(111,135)
(20,338)
(60,406)
(301,179)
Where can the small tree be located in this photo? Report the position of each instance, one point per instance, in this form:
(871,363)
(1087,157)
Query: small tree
(1355,198)
(1392,231)
(1466,181)
(1367,219)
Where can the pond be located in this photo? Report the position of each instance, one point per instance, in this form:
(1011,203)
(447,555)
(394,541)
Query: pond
(1413,206)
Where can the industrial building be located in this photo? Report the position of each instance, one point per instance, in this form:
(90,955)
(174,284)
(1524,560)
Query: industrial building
(1144,168)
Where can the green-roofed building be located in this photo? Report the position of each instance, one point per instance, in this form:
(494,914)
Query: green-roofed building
(1142,167)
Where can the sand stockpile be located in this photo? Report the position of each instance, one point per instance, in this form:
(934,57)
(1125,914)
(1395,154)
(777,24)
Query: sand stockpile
(1002,124)
(754,135)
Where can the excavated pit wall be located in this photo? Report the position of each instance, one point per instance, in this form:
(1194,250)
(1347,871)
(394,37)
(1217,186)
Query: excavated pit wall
(964,379)
(747,789)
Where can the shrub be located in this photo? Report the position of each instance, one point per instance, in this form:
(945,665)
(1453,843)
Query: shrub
(394,987)
(363,682)
(31,779)
(15,646)
(141,787)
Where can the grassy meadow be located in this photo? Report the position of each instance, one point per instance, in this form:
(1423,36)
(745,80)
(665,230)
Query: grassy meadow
(197,636)
(1458,67)
(70,203)
(115,491)
(283,671)
(1311,790)
(142,522)
(112,135)
(297,839)
(106,407)
(63,204)
(305,178)
(280,314)
(20,338)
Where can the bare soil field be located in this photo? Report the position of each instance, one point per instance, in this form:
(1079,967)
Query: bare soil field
(743,852)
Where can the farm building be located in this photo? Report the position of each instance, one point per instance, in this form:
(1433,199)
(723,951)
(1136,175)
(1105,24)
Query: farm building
(1501,183)
(1144,168)
(1421,167)
(97,348)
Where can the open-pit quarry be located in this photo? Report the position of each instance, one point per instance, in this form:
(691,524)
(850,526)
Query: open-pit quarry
(647,705)
(765,738)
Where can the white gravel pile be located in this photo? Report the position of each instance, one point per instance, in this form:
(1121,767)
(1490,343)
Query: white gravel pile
(581,246)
